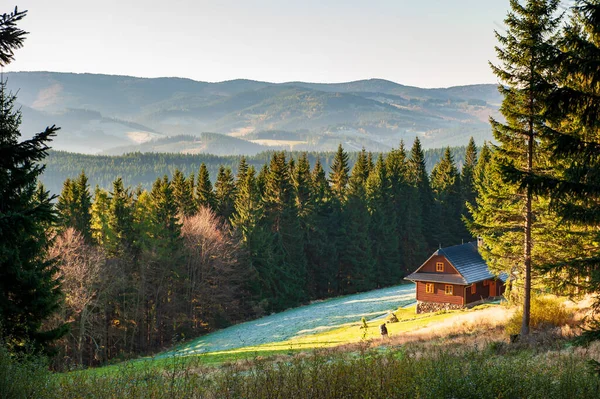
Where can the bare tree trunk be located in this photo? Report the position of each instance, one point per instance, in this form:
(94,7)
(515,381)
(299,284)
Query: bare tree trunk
(528,223)
(80,337)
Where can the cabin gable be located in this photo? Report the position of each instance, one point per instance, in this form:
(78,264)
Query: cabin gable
(431,266)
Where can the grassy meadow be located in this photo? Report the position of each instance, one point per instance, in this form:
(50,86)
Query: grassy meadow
(456,354)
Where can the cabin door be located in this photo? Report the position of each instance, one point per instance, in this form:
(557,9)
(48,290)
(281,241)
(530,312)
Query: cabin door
(492,288)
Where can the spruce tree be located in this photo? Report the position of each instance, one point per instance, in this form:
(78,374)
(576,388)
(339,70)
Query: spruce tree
(261,178)
(445,184)
(99,218)
(11,36)
(248,205)
(302,182)
(84,202)
(29,289)
(281,216)
(204,189)
(479,171)
(183,194)
(65,205)
(323,227)
(575,146)
(409,223)
(166,227)
(242,169)
(255,237)
(164,267)
(356,266)
(466,175)
(423,197)
(74,206)
(120,237)
(225,193)
(339,174)
(526,54)
(165,214)
(383,228)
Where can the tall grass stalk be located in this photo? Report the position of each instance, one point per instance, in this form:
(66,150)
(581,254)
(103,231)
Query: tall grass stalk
(366,374)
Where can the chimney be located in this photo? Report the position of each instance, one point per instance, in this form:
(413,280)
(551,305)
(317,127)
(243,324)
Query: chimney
(479,242)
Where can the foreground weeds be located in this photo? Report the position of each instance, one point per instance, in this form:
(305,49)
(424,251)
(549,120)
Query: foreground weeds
(365,374)
(24,376)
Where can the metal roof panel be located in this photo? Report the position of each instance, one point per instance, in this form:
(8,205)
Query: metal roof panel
(467,261)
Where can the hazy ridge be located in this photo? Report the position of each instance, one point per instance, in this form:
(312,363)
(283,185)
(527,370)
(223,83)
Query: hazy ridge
(119,114)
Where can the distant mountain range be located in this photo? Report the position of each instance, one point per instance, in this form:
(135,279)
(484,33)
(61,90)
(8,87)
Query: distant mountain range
(118,114)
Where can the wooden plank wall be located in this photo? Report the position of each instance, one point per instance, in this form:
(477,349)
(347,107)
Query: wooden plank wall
(483,291)
(439,294)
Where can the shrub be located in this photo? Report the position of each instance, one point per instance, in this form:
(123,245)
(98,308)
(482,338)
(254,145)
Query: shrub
(546,311)
(23,376)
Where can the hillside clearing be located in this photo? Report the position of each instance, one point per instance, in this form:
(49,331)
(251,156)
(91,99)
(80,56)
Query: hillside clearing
(318,317)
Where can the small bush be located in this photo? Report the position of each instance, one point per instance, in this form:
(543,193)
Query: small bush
(392,318)
(23,376)
(546,311)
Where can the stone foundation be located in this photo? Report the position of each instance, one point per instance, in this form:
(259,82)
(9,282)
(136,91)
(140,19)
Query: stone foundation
(429,307)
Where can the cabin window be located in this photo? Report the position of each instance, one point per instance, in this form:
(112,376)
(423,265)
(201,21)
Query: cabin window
(439,267)
(429,288)
(449,289)
(473,289)
(486,282)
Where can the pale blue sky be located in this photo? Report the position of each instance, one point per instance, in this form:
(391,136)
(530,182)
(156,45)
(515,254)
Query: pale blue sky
(426,43)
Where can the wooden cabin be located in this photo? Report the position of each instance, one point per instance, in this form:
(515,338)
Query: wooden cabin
(454,277)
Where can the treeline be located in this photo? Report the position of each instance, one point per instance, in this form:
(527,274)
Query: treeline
(143,168)
(142,267)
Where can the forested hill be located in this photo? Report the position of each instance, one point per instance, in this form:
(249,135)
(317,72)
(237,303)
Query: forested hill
(118,114)
(143,168)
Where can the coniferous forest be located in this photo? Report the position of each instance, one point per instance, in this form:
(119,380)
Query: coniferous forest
(141,169)
(140,267)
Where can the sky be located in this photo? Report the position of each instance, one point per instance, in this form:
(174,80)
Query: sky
(425,43)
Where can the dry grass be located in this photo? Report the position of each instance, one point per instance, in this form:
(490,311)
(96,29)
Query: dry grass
(485,326)
(467,354)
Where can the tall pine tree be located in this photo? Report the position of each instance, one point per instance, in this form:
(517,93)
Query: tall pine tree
(466,175)
(183,194)
(356,266)
(225,193)
(383,228)
(29,290)
(323,227)
(445,183)
(526,54)
(339,174)
(574,106)
(418,178)
(281,215)
(204,189)
(74,206)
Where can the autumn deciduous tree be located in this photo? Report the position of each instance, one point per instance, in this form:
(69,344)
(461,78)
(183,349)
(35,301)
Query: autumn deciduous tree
(215,277)
(80,268)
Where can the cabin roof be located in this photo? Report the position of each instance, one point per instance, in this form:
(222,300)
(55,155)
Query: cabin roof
(466,260)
